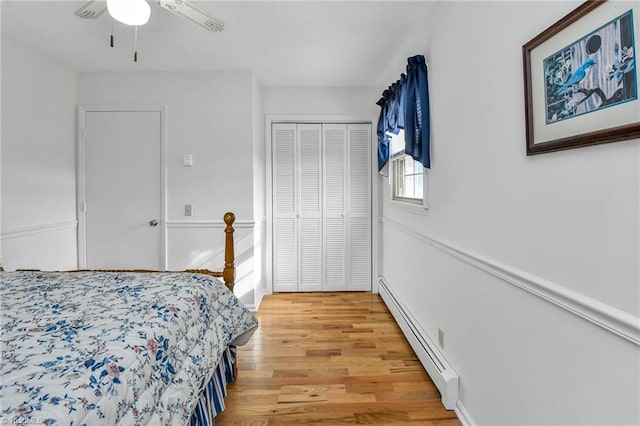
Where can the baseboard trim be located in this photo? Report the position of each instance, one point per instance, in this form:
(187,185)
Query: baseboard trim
(616,321)
(39,229)
(463,414)
(259,296)
(251,307)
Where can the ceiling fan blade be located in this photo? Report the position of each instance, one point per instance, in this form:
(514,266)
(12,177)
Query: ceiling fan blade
(91,9)
(194,14)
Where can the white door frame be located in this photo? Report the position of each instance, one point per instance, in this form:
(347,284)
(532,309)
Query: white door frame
(81,177)
(319,118)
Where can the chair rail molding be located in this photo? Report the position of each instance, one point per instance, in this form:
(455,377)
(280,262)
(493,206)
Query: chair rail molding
(39,229)
(238,224)
(612,319)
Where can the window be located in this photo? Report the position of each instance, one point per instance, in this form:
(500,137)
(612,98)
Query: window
(407,177)
(407,180)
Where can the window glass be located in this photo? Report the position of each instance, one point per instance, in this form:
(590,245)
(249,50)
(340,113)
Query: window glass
(408,174)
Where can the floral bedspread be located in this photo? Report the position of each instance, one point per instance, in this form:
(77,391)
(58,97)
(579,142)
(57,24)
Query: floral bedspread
(111,348)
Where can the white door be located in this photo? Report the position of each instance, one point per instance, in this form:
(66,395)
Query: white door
(334,207)
(122,190)
(297,206)
(309,207)
(347,207)
(321,207)
(285,250)
(359,207)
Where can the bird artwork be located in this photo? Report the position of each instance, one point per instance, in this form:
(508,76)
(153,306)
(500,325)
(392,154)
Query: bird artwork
(577,76)
(594,72)
(620,67)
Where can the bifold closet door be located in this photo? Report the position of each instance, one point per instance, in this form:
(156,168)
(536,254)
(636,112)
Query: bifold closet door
(358,207)
(285,170)
(334,207)
(321,207)
(297,207)
(347,207)
(309,207)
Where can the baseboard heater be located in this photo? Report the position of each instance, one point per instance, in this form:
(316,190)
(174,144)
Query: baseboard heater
(444,377)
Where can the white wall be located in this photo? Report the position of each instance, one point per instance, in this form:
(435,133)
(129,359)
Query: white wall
(0,141)
(259,194)
(518,257)
(209,115)
(356,101)
(38,161)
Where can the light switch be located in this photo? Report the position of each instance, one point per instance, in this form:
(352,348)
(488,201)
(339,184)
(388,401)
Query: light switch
(187,160)
(187,209)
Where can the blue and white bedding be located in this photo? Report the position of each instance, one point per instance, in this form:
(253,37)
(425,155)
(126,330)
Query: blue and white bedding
(211,400)
(112,348)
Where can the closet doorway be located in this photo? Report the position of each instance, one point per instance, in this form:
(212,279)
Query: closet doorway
(120,191)
(320,215)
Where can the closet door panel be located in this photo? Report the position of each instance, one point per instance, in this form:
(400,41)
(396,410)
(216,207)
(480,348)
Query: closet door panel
(310,259)
(284,168)
(285,255)
(359,207)
(310,207)
(359,254)
(334,206)
(309,160)
(335,254)
(359,169)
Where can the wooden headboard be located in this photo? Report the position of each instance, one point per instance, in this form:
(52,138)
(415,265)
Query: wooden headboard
(228,274)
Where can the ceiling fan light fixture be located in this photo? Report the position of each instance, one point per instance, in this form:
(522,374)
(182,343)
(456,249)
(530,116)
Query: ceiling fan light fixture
(129,12)
(194,14)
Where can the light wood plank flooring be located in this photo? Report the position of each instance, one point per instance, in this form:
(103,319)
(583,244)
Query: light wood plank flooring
(330,358)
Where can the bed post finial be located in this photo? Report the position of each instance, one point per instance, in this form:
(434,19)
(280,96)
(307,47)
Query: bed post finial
(229,272)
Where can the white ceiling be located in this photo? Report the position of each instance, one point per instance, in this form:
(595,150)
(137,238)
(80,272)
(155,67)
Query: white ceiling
(284,43)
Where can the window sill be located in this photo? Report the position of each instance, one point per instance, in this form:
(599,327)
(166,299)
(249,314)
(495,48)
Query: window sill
(419,209)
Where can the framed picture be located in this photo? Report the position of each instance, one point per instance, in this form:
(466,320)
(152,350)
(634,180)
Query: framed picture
(581,78)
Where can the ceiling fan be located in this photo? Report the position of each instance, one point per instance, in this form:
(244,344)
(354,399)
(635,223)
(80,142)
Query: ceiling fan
(136,13)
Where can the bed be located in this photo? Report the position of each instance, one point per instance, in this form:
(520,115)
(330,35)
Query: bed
(119,347)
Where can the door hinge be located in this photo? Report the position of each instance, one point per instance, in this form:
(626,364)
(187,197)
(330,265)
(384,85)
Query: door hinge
(83,207)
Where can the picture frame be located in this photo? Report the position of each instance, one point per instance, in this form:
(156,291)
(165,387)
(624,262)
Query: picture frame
(581,78)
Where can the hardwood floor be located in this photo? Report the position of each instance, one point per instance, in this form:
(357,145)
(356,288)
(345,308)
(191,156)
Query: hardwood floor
(330,358)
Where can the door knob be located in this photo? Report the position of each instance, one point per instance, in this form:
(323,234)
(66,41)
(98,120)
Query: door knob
(153,222)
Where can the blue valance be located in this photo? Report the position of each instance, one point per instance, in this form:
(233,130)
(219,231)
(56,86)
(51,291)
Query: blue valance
(405,105)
